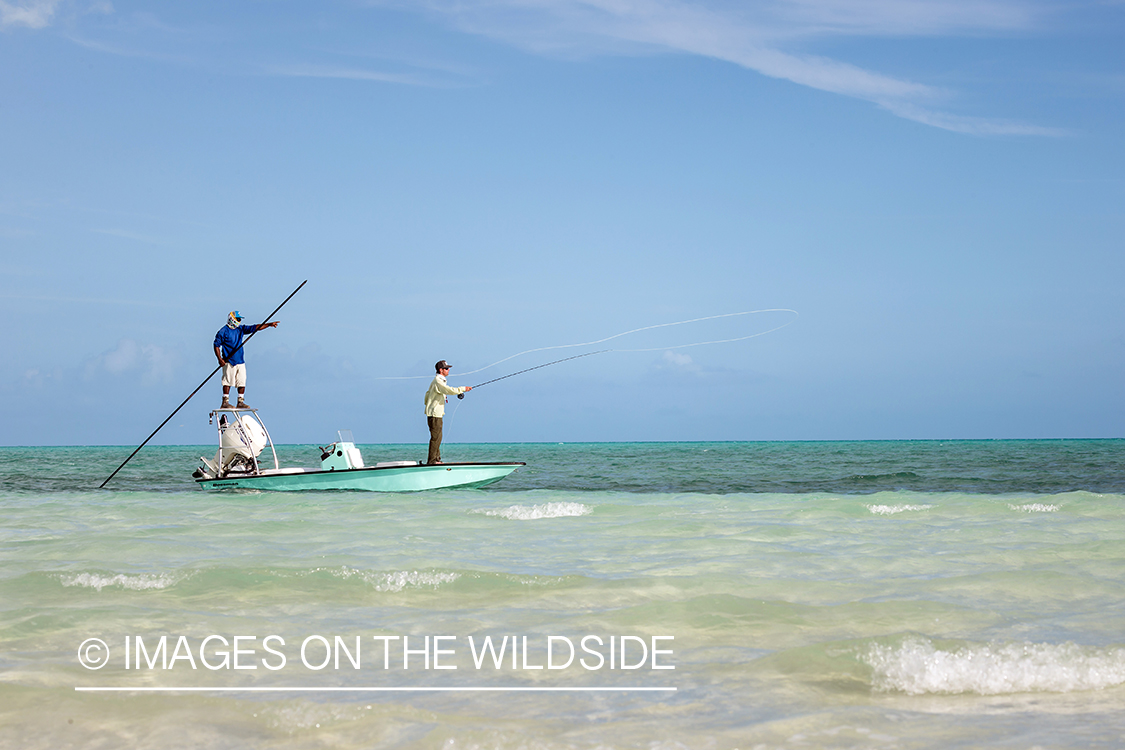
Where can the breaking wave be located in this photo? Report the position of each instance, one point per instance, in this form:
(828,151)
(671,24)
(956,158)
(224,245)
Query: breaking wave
(890,510)
(393,581)
(916,667)
(138,582)
(535,512)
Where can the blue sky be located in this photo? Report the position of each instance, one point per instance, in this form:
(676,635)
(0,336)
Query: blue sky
(934,186)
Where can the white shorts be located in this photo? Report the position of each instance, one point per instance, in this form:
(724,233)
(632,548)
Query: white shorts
(234,375)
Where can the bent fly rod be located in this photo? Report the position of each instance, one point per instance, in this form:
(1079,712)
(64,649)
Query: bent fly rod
(635,330)
(538,367)
(169,417)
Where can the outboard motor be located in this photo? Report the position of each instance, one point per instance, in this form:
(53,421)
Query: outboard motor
(242,438)
(245,435)
(241,442)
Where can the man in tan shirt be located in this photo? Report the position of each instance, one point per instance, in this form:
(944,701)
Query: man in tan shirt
(436,397)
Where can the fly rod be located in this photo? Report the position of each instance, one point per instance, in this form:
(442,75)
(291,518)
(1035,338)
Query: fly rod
(538,367)
(245,341)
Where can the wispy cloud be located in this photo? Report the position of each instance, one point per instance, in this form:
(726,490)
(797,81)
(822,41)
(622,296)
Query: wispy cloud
(347,73)
(966,124)
(124,50)
(153,363)
(776,38)
(679,362)
(34,14)
(770,38)
(193,43)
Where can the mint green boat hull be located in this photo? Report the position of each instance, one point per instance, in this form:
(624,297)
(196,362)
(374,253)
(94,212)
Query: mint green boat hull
(413,478)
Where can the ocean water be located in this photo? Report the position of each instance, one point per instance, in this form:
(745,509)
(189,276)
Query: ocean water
(960,594)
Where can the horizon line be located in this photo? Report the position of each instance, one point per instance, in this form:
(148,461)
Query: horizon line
(601,442)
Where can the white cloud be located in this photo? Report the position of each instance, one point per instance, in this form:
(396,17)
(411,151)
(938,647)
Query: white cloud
(767,37)
(776,38)
(678,362)
(35,14)
(152,363)
(969,125)
(678,359)
(38,14)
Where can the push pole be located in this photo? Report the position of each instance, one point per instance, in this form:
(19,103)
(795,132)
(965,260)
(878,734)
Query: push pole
(142,445)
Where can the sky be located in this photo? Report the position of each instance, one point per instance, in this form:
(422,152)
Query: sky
(927,195)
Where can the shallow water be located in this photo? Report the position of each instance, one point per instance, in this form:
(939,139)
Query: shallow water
(816,595)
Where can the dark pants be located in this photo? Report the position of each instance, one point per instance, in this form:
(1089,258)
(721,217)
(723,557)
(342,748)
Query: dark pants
(434,456)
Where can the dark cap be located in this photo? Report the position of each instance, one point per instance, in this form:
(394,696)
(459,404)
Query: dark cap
(442,365)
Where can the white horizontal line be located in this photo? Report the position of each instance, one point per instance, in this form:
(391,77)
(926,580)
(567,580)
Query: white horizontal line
(372,689)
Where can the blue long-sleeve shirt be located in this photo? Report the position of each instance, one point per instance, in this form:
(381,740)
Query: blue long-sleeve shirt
(228,339)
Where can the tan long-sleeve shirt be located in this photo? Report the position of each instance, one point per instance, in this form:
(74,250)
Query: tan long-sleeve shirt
(435,396)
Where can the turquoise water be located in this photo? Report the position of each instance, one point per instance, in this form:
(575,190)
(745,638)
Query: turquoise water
(809,595)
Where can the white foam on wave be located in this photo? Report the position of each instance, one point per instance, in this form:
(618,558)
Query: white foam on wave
(890,510)
(535,512)
(916,667)
(403,579)
(395,581)
(138,582)
(1035,508)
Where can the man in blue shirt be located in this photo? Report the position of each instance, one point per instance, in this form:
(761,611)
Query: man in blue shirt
(228,350)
